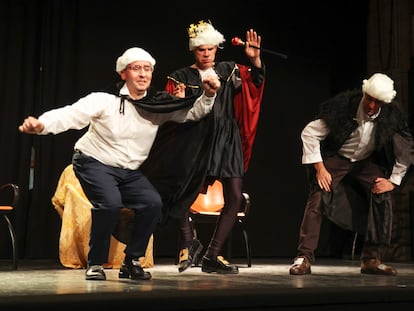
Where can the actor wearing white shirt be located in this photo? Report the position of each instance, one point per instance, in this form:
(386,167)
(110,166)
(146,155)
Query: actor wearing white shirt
(361,135)
(107,158)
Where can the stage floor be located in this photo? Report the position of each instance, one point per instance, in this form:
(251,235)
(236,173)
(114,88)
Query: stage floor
(266,285)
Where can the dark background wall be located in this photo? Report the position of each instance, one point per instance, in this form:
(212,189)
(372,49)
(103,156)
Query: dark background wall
(54,52)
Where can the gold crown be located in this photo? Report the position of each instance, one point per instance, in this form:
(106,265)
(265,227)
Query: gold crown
(195,29)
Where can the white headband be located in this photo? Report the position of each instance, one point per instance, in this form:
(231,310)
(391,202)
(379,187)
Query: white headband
(379,86)
(132,55)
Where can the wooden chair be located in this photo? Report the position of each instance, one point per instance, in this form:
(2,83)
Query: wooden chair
(206,209)
(9,199)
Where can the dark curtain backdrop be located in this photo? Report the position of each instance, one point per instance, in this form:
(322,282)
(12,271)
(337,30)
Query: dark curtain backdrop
(55,51)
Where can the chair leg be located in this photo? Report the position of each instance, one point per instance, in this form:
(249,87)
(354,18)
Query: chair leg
(353,246)
(13,241)
(248,253)
(246,243)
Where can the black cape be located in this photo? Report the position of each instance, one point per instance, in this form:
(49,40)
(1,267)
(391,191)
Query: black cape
(156,101)
(347,206)
(170,179)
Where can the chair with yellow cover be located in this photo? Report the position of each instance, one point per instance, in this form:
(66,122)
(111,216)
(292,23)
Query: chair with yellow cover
(207,207)
(74,209)
(9,199)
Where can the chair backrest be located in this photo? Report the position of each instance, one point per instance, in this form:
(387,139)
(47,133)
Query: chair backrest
(212,202)
(9,197)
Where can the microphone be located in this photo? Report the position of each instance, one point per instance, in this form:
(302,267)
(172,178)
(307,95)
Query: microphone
(236,41)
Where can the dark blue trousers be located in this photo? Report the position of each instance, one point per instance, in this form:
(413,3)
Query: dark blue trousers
(109,189)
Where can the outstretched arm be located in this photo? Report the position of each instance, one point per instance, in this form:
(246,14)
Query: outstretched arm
(31,125)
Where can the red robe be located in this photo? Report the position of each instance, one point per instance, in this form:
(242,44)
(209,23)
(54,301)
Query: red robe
(247,110)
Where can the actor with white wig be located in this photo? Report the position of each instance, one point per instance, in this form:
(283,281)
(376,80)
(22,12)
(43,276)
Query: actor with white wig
(218,147)
(122,125)
(360,138)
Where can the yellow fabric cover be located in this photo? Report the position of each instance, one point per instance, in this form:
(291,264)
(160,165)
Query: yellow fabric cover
(74,208)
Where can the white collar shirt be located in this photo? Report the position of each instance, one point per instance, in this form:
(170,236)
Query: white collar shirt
(116,139)
(359,145)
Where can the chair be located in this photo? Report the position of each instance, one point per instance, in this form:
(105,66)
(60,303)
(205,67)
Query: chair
(74,208)
(9,199)
(206,209)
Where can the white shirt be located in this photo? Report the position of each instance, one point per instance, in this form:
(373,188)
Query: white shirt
(116,139)
(211,72)
(358,146)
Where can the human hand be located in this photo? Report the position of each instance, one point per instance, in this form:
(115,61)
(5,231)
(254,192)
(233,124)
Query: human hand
(382,185)
(253,53)
(211,84)
(323,177)
(179,90)
(31,125)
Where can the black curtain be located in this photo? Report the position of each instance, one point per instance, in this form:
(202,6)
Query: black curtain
(52,52)
(40,58)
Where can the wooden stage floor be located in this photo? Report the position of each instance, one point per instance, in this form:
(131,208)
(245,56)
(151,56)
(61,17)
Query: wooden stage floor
(334,285)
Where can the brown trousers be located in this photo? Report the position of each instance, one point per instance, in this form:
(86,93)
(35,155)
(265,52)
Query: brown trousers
(364,173)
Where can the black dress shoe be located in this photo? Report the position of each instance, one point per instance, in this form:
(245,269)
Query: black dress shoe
(189,255)
(218,265)
(133,270)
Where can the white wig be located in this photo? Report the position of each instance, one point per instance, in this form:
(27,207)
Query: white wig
(203,33)
(132,55)
(379,86)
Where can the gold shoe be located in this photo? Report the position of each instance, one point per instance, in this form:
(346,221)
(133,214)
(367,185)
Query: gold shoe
(218,265)
(188,256)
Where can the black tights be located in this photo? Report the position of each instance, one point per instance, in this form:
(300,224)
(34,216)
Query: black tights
(232,192)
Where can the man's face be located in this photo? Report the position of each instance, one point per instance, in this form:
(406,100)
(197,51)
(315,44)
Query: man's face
(205,56)
(371,105)
(138,76)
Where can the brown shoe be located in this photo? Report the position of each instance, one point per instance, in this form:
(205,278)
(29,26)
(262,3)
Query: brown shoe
(301,265)
(375,266)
